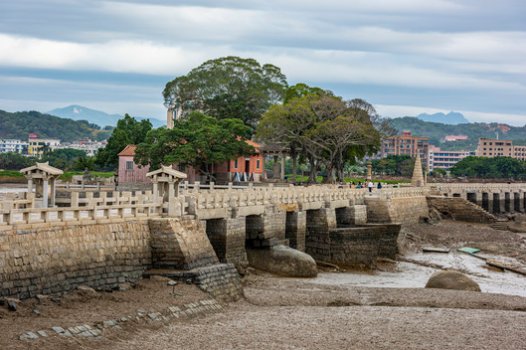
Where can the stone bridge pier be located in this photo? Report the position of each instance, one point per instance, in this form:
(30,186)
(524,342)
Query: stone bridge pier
(493,198)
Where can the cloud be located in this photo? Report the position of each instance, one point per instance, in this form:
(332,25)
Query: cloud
(152,58)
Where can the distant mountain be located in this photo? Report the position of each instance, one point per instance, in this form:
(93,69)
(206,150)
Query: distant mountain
(451,118)
(19,125)
(100,118)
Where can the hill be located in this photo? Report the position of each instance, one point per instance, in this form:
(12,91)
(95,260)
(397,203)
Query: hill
(452,118)
(19,125)
(438,131)
(101,118)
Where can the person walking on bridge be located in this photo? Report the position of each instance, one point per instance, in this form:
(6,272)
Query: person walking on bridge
(370,185)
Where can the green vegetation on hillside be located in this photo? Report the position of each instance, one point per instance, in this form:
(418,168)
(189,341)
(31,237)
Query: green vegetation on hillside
(19,125)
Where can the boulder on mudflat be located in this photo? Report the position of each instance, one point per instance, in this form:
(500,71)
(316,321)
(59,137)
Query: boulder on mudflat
(452,280)
(284,261)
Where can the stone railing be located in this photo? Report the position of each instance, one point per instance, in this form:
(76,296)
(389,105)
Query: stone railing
(206,204)
(74,215)
(479,188)
(76,199)
(194,202)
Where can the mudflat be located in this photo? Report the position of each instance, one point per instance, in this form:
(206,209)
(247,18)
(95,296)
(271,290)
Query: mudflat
(332,311)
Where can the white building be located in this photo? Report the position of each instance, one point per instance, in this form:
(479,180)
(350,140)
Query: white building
(12,145)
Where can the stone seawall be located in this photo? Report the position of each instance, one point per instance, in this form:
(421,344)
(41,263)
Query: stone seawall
(400,210)
(364,244)
(50,260)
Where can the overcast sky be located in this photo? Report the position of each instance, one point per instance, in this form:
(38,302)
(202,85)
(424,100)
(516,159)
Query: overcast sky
(404,56)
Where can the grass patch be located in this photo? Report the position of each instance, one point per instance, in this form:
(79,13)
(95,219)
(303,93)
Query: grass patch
(11,173)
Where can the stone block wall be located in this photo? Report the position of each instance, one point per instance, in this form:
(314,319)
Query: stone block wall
(460,209)
(355,215)
(271,225)
(57,259)
(180,244)
(396,210)
(408,209)
(317,241)
(377,210)
(296,227)
(355,245)
(228,239)
(389,241)
(221,280)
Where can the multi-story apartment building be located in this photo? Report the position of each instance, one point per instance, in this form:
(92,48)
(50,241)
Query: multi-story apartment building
(86,145)
(494,147)
(519,152)
(35,147)
(439,159)
(12,145)
(407,144)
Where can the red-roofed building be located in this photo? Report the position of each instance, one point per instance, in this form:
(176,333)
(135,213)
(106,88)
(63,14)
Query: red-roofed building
(241,169)
(128,170)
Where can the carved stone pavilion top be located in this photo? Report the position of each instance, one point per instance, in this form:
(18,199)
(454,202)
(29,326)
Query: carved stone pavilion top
(44,176)
(169,178)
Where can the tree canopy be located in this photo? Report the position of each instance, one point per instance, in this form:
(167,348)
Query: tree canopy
(227,88)
(497,167)
(128,131)
(199,141)
(396,165)
(326,129)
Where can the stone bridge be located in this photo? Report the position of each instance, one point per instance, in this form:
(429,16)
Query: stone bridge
(101,238)
(496,198)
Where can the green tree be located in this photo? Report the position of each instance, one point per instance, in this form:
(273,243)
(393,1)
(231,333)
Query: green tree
(497,167)
(326,130)
(64,158)
(200,141)
(127,132)
(84,162)
(15,161)
(226,88)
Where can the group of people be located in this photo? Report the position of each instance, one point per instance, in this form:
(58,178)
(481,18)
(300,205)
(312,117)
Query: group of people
(365,184)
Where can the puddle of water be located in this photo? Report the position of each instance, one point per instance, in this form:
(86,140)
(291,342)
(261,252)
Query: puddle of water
(413,275)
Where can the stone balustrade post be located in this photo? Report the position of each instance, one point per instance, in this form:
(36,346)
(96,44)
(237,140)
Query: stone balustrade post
(74,199)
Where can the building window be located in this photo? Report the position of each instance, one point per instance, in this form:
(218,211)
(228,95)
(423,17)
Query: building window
(235,164)
(129,165)
(257,164)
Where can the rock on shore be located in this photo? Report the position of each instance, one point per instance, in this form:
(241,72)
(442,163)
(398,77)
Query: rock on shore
(284,261)
(452,280)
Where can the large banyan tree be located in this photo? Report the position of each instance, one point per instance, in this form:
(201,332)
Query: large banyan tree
(227,87)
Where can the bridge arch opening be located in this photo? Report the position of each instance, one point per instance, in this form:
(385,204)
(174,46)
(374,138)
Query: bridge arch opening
(485,201)
(472,197)
(496,203)
(517,202)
